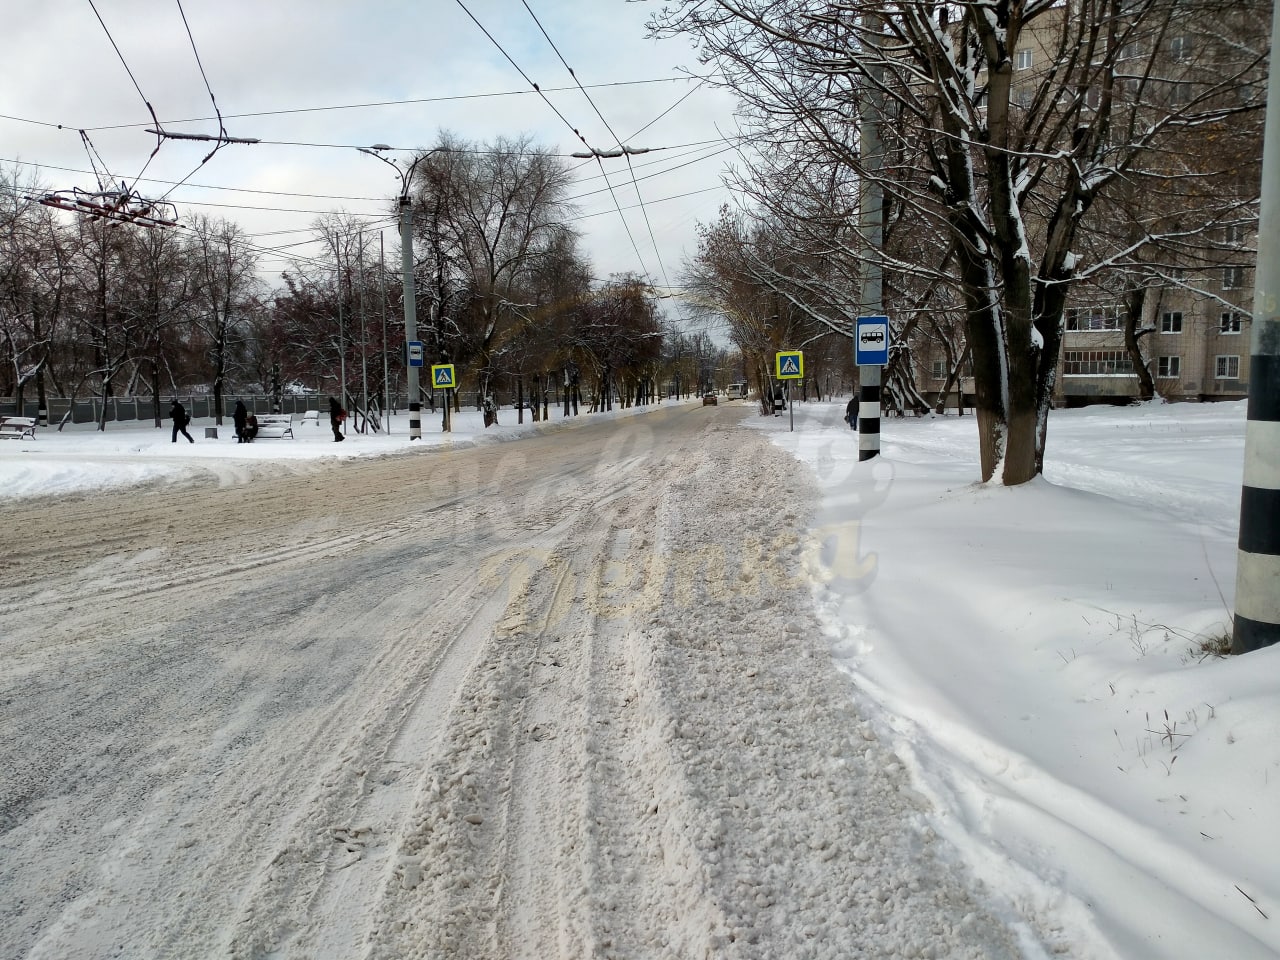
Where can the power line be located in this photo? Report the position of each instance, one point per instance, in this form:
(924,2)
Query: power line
(618,140)
(385,103)
(123,62)
(557,112)
(204,76)
(707,150)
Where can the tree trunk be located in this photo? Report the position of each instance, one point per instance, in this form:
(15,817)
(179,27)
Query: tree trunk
(1134,302)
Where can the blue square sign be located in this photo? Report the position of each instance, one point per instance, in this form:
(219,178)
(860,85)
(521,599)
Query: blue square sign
(871,342)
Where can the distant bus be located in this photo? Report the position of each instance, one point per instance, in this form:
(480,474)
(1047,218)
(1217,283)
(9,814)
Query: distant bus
(736,391)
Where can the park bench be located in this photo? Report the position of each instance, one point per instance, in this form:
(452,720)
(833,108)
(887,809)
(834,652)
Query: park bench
(18,428)
(274,427)
(313,416)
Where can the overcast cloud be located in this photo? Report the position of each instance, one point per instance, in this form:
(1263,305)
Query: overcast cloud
(271,56)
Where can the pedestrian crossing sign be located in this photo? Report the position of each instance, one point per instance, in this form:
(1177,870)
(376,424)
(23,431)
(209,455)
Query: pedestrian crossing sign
(790,365)
(442,377)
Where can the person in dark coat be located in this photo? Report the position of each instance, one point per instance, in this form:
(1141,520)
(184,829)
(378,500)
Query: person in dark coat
(336,416)
(851,414)
(239,417)
(250,428)
(178,414)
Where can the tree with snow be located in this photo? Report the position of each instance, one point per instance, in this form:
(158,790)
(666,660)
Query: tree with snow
(1002,124)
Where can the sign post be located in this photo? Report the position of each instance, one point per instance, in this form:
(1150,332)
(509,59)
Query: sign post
(790,366)
(870,349)
(444,377)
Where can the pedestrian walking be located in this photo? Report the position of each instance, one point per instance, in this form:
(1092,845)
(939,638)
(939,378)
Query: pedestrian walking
(336,416)
(239,417)
(851,413)
(178,414)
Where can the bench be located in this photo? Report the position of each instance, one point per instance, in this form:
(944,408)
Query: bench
(18,428)
(274,427)
(313,416)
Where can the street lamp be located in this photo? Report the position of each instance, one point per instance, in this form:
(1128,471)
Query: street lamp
(406,267)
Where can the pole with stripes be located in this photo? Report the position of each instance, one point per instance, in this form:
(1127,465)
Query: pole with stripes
(1257,617)
(871,215)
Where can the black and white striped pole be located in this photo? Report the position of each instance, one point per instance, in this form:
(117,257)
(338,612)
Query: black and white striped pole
(867,352)
(1257,615)
(871,353)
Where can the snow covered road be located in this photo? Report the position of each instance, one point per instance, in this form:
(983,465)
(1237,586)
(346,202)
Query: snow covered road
(558,698)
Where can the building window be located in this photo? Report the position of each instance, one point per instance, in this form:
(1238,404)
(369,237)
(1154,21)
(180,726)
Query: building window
(1179,93)
(1130,51)
(1022,96)
(1232,278)
(1171,321)
(1169,367)
(1230,322)
(1023,59)
(1082,319)
(1233,234)
(939,370)
(1180,48)
(1226,368)
(1096,363)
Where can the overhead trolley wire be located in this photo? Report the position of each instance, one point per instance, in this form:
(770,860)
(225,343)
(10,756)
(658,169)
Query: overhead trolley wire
(390,103)
(619,141)
(576,132)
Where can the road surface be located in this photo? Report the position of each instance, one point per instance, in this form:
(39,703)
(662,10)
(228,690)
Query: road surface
(557,698)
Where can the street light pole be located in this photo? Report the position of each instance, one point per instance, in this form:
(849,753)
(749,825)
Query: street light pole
(410,310)
(406,268)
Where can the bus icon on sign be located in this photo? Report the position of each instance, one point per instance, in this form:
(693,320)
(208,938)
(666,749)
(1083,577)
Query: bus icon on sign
(871,342)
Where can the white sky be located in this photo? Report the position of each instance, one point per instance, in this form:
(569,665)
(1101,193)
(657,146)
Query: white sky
(290,55)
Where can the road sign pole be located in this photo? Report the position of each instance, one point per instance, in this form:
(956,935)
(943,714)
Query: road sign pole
(1256,623)
(871,352)
(410,311)
(791,410)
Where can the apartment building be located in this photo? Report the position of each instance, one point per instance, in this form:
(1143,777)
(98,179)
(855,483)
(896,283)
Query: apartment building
(1194,319)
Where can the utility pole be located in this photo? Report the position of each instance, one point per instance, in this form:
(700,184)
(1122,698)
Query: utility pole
(410,308)
(364,335)
(871,215)
(406,269)
(382,309)
(1257,616)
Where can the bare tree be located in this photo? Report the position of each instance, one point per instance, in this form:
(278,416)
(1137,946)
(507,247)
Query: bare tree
(34,282)
(156,295)
(495,213)
(224,283)
(1000,160)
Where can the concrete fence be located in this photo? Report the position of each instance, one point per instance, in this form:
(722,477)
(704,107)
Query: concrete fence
(141,408)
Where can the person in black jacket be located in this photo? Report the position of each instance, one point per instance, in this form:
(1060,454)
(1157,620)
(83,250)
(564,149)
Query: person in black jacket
(178,413)
(336,416)
(851,413)
(239,417)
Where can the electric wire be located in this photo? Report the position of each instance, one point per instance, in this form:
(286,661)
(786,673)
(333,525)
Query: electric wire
(385,103)
(576,133)
(136,86)
(702,150)
(603,175)
(618,141)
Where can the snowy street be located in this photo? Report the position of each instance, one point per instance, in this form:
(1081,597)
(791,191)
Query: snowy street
(565,697)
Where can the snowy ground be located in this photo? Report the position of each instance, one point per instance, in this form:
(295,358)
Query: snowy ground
(1028,660)
(1036,654)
